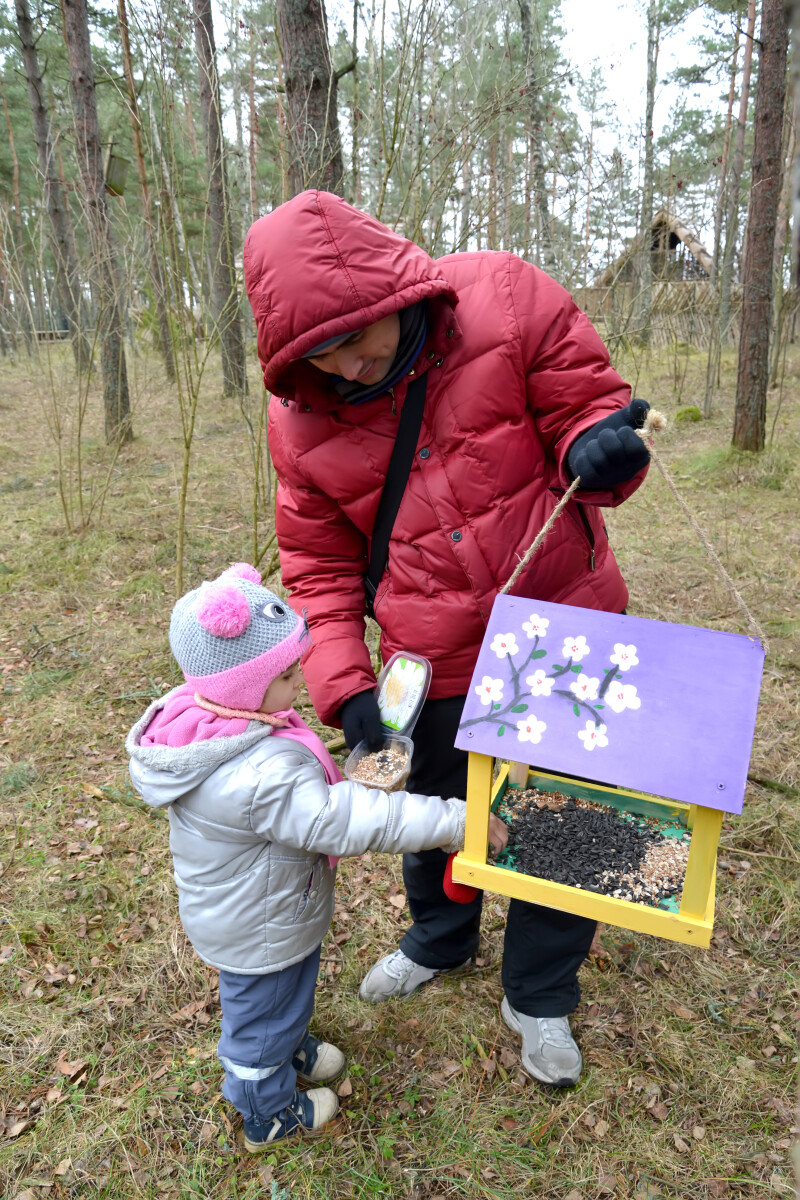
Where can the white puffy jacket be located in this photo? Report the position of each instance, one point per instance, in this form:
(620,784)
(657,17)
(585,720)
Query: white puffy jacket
(252,822)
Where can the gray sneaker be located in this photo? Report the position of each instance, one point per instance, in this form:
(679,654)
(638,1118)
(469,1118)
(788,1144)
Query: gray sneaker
(549,1051)
(398,975)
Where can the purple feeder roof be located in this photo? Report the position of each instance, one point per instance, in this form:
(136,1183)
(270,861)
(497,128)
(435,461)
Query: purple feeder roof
(646,705)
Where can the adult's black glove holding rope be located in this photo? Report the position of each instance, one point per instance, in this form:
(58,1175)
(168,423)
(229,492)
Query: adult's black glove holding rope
(611,452)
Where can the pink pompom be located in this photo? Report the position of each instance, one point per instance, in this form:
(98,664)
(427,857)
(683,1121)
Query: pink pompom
(223,610)
(242,570)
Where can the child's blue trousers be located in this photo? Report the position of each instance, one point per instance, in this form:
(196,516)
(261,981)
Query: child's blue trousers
(264,1020)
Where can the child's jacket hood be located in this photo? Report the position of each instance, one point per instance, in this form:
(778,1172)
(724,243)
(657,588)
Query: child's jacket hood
(163,774)
(317,268)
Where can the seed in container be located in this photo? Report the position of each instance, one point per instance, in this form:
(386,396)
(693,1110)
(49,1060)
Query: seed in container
(382,769)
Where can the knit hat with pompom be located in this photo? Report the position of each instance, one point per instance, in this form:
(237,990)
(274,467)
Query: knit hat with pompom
(231,637)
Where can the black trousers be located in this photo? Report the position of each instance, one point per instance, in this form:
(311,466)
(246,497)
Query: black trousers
(543,948)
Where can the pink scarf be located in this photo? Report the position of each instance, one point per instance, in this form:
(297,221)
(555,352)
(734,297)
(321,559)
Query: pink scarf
(188,718)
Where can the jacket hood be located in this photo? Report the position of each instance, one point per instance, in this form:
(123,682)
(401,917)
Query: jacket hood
(316,268)
(163,774)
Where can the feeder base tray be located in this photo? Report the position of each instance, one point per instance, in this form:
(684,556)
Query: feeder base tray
(594,847)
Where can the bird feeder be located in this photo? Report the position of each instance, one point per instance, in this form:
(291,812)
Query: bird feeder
(116,169)
(651,720)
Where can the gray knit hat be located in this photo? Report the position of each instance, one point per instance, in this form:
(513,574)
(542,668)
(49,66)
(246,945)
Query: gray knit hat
(231,637)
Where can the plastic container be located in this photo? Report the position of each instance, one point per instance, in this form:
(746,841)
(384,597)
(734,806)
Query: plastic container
(400,691)
(378,769)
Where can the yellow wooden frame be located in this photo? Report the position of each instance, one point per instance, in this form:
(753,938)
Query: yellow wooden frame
(692,924)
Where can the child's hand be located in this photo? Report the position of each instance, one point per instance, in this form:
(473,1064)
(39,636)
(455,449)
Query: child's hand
(498,834)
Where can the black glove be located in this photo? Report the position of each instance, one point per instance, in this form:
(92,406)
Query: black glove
(361,719)
(610,452)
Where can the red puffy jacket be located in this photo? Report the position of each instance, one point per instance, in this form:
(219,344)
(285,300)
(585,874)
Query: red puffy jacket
(516,372)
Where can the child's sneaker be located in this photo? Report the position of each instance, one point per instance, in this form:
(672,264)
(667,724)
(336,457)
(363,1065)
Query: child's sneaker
(316,1061)
(306,1112)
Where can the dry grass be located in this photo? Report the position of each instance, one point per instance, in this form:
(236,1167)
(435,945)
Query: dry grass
(108,1078)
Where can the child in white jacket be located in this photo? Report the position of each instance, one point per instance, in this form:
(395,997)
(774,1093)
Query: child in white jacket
(256,807)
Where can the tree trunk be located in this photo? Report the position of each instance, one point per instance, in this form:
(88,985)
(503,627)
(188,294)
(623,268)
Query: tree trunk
(156,274)
(793,9)
(732,216)
(531,51)
(252,149)
(315,150)
(750,416)
(715,337)
(223,275)
(355,117)
(643,300)
(465,215)
(171,212)
(719,204)
(67,282)
(116,397)
(22,286)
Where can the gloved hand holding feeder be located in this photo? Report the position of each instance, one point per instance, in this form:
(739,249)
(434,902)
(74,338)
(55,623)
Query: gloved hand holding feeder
(611,452)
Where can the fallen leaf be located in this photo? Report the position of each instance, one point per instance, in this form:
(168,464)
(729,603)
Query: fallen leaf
(680,1145)
(507,1058)
(659,1111)
(601,1129)
(64,1166)
(15,1128)
(73,1070)
(25,1194)
(698,1132)
(685,1014)
(574,1195)
(606,1182)
(489,1067)
(589,1120)
(265,1174)
(398,900)
(779,1184)
(344,1089)
(508,1123)
(717,1187)
(5,954)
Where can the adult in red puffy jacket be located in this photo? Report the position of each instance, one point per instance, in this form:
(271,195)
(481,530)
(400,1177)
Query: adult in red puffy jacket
(520,398)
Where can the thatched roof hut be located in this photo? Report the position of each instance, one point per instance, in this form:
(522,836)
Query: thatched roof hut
(678,254)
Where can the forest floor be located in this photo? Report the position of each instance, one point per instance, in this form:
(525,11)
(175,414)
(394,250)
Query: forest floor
(109,1085)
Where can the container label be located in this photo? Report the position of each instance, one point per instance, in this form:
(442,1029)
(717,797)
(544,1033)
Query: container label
(400,693)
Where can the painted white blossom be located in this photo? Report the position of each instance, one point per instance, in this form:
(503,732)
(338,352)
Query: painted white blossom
(584,687)
(504,644)
(624,656)
(539,684)
(621,696)
(536,626)
(593,735)
(490,690)
(575,648)
(530,730)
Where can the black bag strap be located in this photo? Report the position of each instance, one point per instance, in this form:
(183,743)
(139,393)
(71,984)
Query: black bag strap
(396,479)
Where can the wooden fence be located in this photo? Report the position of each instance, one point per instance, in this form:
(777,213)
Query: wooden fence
(681,311)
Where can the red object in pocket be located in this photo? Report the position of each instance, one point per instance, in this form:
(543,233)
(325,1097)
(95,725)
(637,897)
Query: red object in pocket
(462,893)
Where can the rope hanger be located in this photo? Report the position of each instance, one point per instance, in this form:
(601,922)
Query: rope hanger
(654,422)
